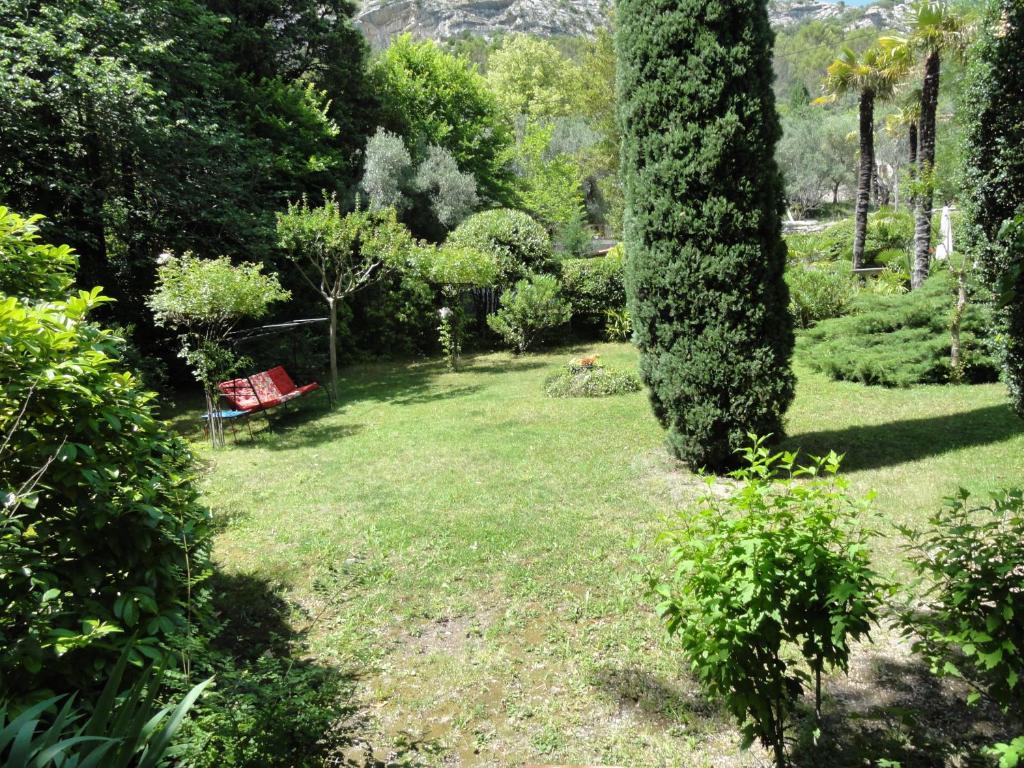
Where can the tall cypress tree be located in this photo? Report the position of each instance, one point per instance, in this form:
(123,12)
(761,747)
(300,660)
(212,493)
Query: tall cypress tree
(705,255)
(995,177)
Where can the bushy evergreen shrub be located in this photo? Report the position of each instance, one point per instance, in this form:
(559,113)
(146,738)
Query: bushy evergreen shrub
(901,340)
(995,178)
(529,310)
(593,287)
(102,527)
(704,197)
(519,244)
(819,291)
(887,231)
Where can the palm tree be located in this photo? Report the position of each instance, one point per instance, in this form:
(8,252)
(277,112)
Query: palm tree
(907,118)
(873,75)
(935,29)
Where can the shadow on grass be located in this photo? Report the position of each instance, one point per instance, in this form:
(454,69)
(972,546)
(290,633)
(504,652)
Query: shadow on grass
(897,442)
(658,701)
(272,705)
(901,713)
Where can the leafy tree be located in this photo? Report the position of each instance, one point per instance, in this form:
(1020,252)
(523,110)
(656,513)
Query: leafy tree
(872,76)
(775,573)
(530,308)
(531,77)
(552,188)
(995,180)
(205,299)
(102,533)
(433,98)
(453,269)
(705,257)
(339,254)
(385,169)
(518,244)
(452,193)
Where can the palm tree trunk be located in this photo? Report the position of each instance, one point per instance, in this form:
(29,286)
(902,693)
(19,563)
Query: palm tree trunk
(864,177)
(926,162)
(912,168)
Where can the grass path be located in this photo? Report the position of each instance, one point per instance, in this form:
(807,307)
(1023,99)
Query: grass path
(474,553)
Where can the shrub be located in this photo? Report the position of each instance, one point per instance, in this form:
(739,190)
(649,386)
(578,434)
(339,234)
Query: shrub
(528,310)
(897,341)
(123,730)
(704,203)
(887,231)
(774,574)
(589,378)
(518,243)
(592,287)
(31,269)
(819,291)
(972,624)
(618,326)
(102,523)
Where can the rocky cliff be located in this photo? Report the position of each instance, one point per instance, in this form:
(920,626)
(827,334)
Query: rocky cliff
(381,20)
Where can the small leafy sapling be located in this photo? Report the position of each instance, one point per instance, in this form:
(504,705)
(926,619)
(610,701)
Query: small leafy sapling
(970,562)
(529,309)
(770,584)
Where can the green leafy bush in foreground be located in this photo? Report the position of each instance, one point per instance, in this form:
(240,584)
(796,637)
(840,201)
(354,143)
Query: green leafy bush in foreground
(901,340)
(971,560)
(589,378)
(769,585)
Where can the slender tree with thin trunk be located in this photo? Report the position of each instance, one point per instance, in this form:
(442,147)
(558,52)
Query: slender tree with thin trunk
(339,254)
(873,76)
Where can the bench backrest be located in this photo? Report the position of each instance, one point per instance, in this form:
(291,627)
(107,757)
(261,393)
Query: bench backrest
(258,390)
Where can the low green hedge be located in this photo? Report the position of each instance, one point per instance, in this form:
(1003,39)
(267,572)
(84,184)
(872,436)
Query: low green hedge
(592,287)
(901,340)
(589,378)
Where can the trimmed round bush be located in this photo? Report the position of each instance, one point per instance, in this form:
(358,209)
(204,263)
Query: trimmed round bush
(519,244)
(588,378)
(593,287)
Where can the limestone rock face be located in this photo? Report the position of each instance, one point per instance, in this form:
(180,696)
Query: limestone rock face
(382,20)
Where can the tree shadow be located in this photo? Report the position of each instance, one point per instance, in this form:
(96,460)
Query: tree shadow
(896,442)
(658,701)
(903,713)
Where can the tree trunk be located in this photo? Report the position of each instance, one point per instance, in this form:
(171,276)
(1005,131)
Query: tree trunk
(835,194)
(867,164)
(955,363)
(926,163)
(332,304)
(912,168)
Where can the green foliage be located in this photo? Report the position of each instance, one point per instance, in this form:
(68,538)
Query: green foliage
(592,287)
(995,179)
(618,326)
(433,98)
(816,157)
(704,201)
(270,713)
(819,291)
(518,244)
(102,523)
(897,341)
(589,378)
(888,231)
(530,76)
(971,623)
(532,307)
(30,269)
(121,731)
(551,182)
(775,573)
(454,266)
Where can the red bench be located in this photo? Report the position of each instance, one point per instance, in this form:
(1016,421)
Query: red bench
(263,390)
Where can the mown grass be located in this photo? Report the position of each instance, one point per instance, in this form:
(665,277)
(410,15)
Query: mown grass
(475,553)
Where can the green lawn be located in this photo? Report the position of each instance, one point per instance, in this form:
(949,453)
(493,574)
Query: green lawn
(473,554)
